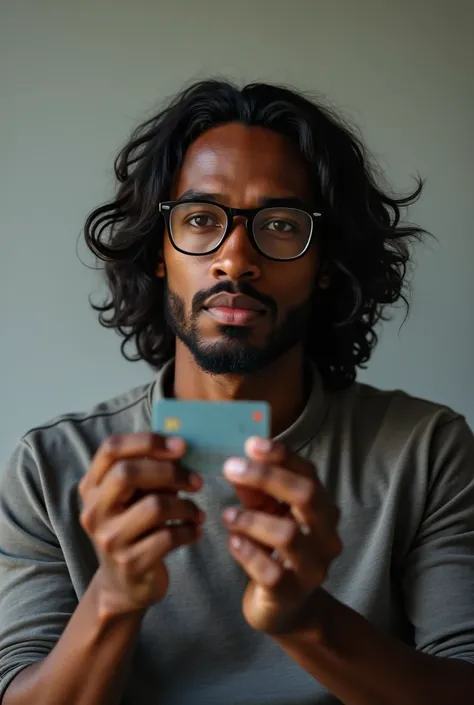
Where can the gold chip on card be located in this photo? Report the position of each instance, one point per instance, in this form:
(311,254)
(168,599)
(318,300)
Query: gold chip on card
(172,423)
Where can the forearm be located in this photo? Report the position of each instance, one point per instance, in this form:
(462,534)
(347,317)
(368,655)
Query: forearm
(88,665)
(362,666)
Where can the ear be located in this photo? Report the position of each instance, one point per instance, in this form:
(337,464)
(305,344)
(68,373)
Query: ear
(324,281)
(160,270)
(323,274)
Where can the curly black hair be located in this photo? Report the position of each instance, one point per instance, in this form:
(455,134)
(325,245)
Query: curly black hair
(365,245)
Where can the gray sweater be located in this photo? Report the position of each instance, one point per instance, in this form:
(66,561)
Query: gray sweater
(400,469)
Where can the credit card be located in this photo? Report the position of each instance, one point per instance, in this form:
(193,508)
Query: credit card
(213,431)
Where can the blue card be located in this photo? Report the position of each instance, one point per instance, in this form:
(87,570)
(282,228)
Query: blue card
(213,431)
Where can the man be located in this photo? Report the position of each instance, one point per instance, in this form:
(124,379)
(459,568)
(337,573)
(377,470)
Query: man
(249,255)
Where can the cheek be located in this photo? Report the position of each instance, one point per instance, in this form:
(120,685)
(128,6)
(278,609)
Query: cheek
(174,265)
(182,273)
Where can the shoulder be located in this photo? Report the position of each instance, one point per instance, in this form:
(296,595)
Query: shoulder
(392,411)
(67,443)
(391,429)
(110,415)
(408,455)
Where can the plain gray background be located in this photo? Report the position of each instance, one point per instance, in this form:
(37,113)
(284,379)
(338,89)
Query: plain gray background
(77,76)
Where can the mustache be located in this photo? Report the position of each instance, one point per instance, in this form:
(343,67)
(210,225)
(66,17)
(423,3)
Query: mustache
(227,287)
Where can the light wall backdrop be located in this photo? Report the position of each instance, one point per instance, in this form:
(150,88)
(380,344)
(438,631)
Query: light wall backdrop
(76,76)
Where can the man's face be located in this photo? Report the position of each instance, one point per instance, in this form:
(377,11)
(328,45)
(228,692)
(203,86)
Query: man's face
(242,167)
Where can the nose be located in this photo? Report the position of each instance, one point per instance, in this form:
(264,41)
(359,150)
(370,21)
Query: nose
(237,259)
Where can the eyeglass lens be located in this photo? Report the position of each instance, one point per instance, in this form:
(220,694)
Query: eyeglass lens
(280,232)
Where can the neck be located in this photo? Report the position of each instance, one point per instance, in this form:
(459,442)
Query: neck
(281,384)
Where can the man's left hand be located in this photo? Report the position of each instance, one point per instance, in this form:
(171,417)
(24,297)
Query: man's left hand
(285,537)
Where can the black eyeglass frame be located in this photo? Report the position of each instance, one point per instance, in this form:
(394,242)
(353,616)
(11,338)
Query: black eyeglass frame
(166,208)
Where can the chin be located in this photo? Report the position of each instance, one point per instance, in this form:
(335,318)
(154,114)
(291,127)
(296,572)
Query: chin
(233,356)
(229,356)
(228,334)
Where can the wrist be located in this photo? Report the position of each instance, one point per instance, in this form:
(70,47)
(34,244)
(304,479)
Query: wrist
(310,616)
(110,606)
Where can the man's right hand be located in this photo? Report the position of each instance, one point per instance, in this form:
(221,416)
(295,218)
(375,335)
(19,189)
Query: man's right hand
(129,495)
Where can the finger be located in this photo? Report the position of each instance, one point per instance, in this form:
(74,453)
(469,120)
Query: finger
(128,476)
(303,553)
(141,557)
(280,533)
(144,516)
(253,499)
(131,445)
(282,484)
(275,453)
(256,561)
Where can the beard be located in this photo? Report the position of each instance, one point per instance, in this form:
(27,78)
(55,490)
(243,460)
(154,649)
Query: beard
(233,353)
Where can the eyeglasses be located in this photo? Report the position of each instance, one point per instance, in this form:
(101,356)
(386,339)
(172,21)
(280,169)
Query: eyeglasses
(200,227)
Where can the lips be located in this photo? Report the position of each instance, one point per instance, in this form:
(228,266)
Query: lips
(234,309)
(235,301)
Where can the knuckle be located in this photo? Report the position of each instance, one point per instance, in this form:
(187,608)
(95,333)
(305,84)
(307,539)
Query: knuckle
(87,518)
(289,534)
(125,561)
(156,505)
(122,472)
(271,577)
(307,491)
(105,541)
(112,444)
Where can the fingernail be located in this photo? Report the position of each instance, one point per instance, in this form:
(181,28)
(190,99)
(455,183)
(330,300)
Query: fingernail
(235,466)
(263,445)
(231,514)
(236,542)
(174,444)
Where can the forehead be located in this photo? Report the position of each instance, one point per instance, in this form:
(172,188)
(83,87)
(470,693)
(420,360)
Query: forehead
(243,164)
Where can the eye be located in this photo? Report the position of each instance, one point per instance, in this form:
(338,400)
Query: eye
(201,220)
(280,226)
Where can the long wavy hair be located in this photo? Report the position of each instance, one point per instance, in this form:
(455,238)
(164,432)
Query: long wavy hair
(365,244)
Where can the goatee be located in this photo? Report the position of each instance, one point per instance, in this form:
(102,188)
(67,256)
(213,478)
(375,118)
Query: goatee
(234,353)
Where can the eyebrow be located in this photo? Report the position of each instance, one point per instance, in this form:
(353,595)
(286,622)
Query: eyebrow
(265,202)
